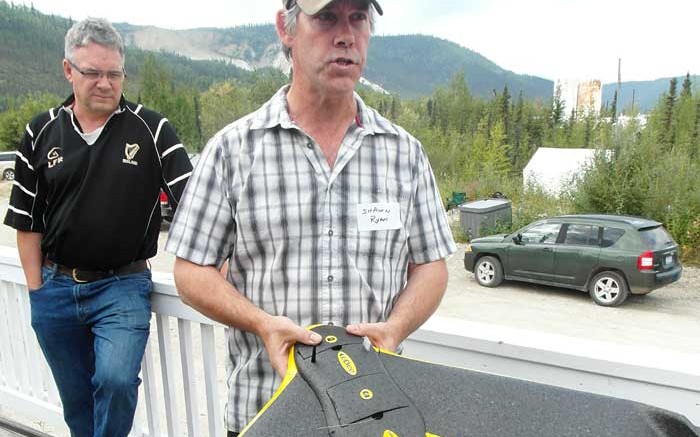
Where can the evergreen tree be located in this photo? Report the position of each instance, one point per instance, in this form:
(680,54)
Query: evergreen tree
(198,121)
(557,108)
(431,111)
(556,116)
(19,113)
(686,89)
(394,112)
(695,145)
(666,137)
(505,105)
(497,150)
(684,119)
(177,104)
(458,103)
(518,128)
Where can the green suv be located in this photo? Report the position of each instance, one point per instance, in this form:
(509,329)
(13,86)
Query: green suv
(608,256)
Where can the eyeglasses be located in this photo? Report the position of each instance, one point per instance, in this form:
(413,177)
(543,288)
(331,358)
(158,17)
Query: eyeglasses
(95,75)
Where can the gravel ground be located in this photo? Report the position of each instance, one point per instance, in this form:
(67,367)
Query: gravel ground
(667,318)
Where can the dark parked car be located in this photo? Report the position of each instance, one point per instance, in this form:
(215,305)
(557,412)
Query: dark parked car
(606,255)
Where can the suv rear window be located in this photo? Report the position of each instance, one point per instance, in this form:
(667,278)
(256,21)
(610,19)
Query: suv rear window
(611,235)
(656,238)
(7,156)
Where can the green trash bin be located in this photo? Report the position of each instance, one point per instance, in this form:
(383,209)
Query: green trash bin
(457,198)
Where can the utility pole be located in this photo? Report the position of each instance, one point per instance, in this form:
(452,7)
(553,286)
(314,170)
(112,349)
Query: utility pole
(616,134)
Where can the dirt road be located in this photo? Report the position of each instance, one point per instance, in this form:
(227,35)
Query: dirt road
(666,318)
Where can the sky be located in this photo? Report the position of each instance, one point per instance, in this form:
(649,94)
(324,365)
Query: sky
(553,39)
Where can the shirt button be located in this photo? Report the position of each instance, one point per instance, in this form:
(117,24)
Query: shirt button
(310,145)
(330,278)
(330,232)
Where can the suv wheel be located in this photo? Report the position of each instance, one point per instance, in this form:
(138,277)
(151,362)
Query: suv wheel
(608,289)
(488,272)
(8,174)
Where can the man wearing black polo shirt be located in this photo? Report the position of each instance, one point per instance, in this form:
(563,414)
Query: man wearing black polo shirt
(85,203)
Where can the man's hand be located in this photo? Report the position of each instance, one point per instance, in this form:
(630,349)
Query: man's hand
(279,335)
(380,334)
(417,301)
(31,257)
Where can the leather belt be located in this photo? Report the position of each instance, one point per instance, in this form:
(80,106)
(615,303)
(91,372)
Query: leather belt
(84,275)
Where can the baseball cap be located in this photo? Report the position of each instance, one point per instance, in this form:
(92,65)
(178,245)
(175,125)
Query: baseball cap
(310,7)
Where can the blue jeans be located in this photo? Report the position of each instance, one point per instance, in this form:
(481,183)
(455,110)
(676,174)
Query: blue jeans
(93,336)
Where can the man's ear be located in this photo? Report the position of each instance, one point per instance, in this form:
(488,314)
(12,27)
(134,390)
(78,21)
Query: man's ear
(285,38)
(67,70)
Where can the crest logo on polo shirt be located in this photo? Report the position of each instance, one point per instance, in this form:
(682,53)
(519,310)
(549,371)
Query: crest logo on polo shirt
(130,152)
(54,157)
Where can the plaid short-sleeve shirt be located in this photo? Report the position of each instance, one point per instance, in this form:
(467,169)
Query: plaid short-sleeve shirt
(300,234)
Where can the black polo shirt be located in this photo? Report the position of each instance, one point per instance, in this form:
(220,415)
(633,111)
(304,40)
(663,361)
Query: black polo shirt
(97,206)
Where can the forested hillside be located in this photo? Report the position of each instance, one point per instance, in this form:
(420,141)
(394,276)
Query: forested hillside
(413,65)
(409,66)
(32,51)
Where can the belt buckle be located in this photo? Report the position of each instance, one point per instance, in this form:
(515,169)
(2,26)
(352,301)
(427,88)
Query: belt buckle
(75,277)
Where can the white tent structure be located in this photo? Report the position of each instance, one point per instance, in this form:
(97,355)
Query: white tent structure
(553,169)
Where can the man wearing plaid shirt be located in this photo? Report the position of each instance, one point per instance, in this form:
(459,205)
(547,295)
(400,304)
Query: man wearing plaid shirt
(327,212)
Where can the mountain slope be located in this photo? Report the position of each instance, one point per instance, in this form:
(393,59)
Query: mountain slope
(413,65)
(646,93)
(247,47)
(410,65)
(31,53)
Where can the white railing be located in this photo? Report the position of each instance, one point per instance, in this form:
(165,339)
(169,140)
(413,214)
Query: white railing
(183,388)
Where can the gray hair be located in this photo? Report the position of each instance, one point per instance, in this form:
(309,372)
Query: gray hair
(92,30)
(290,24)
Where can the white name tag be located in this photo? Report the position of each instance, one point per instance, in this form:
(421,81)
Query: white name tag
(378,216)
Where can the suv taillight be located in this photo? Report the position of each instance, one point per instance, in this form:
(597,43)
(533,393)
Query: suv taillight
(645,261)
(163,197)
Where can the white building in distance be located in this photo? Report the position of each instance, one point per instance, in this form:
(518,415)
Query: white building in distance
(583,96)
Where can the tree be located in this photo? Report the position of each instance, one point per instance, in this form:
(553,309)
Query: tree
(489,150)
(684,124)
(518,128)
(666,137)
(20,112)
(177,104)
(431,111)
(695,145)
(557,114)
(394,109)
(458,102)
(686,89)
(505,108)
